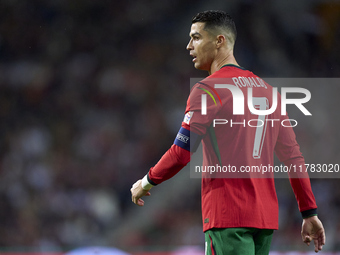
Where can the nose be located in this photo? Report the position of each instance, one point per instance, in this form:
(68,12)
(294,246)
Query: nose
(190,45)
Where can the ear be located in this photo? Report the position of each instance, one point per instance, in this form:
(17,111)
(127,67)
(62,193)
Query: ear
(220,41)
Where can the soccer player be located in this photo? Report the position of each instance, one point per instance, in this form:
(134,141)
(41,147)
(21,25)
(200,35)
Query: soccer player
(239,214)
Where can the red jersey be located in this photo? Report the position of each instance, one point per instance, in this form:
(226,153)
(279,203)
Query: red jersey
(218,113)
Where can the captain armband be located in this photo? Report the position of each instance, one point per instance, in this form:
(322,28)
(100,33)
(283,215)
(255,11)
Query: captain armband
(187,140)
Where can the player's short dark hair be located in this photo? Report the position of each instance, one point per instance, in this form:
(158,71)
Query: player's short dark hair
(217,19)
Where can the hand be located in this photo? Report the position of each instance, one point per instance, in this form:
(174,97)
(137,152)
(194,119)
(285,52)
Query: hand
(312,229)
(137,192)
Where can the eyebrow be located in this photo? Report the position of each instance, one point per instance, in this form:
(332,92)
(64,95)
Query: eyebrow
(195,33)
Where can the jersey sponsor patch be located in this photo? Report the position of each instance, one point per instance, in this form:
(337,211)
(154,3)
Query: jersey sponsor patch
(187,117)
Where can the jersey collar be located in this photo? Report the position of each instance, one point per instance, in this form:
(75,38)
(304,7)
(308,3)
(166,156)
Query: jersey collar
(240,67)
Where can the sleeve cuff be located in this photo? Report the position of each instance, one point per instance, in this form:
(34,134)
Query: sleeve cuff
(309,213)
(147,183)
(150,181)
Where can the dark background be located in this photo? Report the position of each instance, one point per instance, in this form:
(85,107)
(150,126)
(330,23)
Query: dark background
(92,93)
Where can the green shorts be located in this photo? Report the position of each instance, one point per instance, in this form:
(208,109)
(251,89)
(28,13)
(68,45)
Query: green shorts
(238,241)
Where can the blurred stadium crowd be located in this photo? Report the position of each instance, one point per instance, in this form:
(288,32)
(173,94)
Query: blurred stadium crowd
(92,93)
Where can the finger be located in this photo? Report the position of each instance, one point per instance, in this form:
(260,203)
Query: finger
(316,245)
(307,239)
(140,202)
(134,200)
(148,194)
(323,238)
(321,241)
(307,242)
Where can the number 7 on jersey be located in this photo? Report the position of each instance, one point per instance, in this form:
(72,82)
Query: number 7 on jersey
(260,103)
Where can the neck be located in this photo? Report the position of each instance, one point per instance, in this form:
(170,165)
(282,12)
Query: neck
(225,59)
